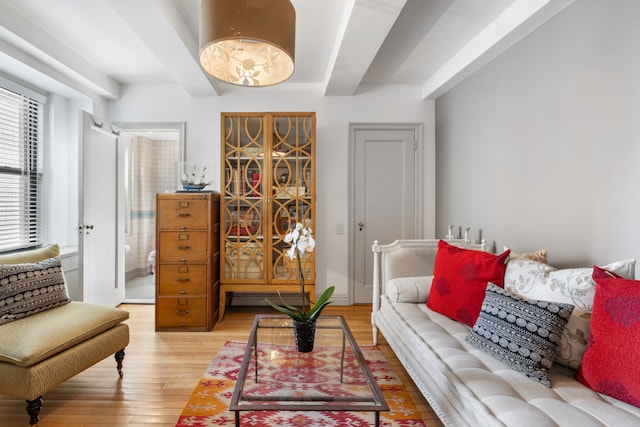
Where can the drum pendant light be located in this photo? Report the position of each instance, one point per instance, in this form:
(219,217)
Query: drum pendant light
(248,42)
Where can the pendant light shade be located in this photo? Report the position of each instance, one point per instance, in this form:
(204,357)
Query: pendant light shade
(248,42)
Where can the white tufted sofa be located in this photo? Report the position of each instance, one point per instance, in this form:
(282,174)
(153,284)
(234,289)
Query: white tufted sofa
(465,386)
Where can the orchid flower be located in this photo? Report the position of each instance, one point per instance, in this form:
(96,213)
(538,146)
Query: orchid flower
(301,239)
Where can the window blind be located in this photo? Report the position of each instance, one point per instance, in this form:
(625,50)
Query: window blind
(21,130)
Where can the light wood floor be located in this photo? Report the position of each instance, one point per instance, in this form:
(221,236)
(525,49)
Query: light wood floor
(160,371)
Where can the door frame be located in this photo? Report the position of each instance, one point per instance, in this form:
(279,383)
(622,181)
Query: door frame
(417,128)
(130,127)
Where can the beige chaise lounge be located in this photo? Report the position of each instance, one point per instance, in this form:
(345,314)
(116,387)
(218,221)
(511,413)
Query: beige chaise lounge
(42,350)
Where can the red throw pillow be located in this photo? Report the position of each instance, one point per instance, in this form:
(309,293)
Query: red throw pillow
(460,278)
(610,365)
(601,273)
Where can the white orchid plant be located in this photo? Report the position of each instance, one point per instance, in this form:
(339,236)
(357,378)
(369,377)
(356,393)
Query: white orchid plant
(301,239)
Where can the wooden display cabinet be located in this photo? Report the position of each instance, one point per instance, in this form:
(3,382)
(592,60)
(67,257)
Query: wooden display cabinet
(267,185)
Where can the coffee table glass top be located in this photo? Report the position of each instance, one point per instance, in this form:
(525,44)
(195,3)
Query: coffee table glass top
(332,377)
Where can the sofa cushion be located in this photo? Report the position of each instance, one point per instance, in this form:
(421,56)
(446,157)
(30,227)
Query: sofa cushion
(29,288)
(572,286)
(409,289)
(520,332)
(460,279)
(32,339)
(610,364)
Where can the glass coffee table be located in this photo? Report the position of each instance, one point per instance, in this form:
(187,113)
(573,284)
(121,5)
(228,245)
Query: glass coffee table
(332,377)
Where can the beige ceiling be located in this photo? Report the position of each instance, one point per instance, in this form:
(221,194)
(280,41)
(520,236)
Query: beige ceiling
(342,46)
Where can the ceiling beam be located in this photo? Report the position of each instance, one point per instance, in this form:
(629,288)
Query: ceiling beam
(160,27)
(365,25)
(26,36)
(515,23)
(25,68)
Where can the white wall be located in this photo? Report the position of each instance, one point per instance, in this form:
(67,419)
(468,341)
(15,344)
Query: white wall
(401,104)
(541,147)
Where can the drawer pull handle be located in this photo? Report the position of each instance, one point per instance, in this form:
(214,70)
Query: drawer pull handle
(183,247)
(182,279)
(184,214)
(183,292)
(182,311)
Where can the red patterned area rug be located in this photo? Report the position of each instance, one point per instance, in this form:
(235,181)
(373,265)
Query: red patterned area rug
(208,405)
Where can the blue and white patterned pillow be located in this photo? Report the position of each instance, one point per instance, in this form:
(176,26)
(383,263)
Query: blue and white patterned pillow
(522,333)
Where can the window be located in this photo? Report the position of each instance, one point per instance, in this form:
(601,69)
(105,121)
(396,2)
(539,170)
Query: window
(21,140)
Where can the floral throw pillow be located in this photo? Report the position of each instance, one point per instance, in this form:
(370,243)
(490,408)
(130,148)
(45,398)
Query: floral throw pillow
(460,279)
(610,364)
(572,286)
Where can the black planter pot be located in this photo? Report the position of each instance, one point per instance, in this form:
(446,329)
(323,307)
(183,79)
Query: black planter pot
(304,334)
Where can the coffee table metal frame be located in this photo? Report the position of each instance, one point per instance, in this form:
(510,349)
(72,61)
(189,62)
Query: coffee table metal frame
(241,403)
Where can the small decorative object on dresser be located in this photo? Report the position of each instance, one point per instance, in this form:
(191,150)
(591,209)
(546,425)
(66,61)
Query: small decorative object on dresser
(304,319)
(195,176)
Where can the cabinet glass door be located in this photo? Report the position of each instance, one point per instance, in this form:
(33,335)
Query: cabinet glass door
(244,191)
(292,181)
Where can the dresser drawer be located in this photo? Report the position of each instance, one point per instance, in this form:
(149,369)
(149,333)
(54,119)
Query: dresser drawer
(187,279)
(183,246)
(183,214)
(178,312)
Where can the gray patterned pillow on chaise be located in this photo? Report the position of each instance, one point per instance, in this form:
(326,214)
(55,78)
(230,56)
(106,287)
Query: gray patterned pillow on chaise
(30,288)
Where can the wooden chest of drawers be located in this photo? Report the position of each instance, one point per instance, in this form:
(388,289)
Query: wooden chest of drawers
(187,261)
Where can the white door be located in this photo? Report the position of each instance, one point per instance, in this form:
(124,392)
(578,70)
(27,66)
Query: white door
(101,275)
(384,190)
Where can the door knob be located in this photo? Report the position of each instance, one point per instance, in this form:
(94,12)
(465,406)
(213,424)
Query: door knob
(361,225)
(85,227)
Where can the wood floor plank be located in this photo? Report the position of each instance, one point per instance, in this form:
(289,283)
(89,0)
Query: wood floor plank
(160,371)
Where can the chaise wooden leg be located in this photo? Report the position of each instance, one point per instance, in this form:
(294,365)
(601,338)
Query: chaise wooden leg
(119,358)
(33,409)
(33,406)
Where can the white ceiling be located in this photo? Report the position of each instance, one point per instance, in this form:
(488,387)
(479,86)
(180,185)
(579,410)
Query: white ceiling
(341,45)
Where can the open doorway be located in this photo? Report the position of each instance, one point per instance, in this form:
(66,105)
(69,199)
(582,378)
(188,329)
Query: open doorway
(152,152)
